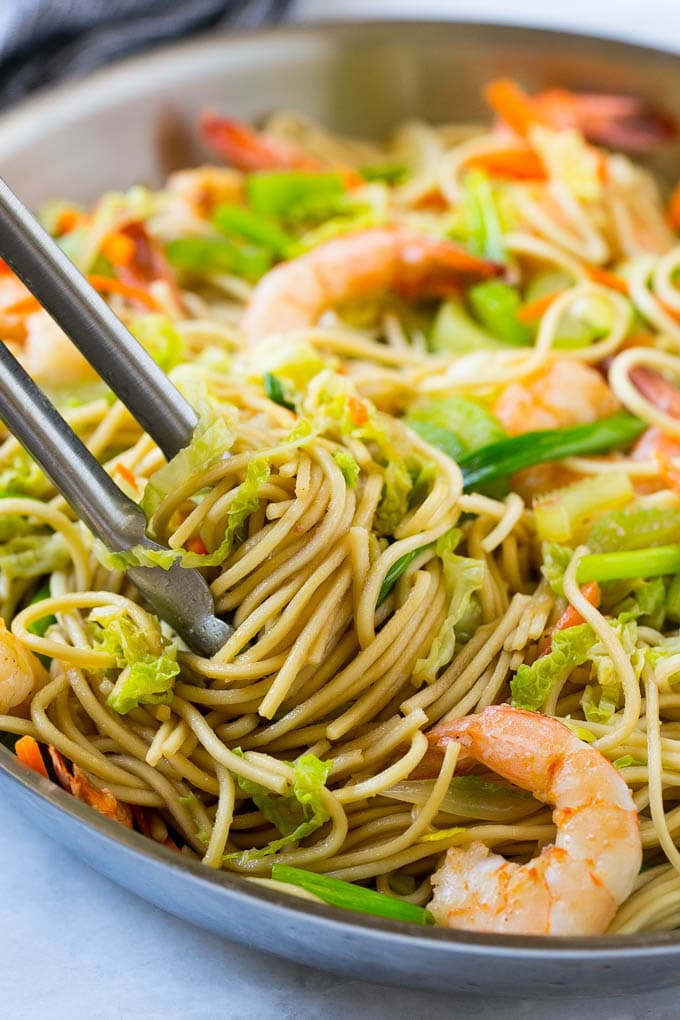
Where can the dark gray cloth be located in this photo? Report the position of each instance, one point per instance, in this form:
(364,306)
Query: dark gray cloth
(43,41)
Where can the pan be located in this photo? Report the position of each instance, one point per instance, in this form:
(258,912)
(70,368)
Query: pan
(135,123)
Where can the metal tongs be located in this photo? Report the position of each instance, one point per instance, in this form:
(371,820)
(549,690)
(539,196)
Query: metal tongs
(179,596)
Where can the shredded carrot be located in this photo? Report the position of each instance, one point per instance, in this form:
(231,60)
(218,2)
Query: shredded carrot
(532,311)
(108,285)
(357,410)
(197,545)
(5,270)
(125,473)
(606,278)
(571,617)
(105,284)
(673,211)
(512,105)
(518,163)
(24,306)
(669,471)
(82,789)
(68,220)
(669,310)
(118,248)
(27,751)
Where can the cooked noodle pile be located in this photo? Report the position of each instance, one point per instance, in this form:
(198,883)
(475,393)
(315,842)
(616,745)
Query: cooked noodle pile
(374,590)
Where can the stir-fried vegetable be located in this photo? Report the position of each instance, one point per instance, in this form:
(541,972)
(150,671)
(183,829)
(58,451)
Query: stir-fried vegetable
(351,897)
(503,458)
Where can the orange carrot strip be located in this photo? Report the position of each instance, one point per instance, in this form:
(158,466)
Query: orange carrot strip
(669,471)
(606,278)
(357,410)
(673,212)
(108,285)
(105,284)
(24,306)
(571,617)
(118,248)
(197,545)
(125,473)
(68,220)
(520,164)
(532,311)
(27,751)
(82,789)
(512,105)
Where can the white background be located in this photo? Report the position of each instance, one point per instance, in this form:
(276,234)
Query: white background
(75,947)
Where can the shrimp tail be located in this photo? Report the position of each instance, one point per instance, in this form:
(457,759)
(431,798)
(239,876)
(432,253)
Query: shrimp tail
(246,149)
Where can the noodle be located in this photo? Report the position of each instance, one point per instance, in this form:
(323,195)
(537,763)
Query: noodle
(375,592)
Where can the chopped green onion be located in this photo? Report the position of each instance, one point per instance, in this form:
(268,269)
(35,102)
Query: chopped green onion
(43,623)
(395,572)
(635,527)
(252,226)
(454,331)
(218,255)
(496,304)
(388,173)
(485,234)
(617,566)
(351,897)
(673,600)
(560,514)
(497,460)
(273,387)
(278,192)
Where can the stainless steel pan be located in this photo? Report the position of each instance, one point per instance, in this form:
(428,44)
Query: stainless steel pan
(135,122)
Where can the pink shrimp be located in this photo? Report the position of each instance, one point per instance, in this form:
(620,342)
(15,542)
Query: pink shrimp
(355,265)
(564,393)
(247,149)
(576,884)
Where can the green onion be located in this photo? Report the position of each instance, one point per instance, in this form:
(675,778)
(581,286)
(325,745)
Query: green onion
(617,566)
(388,173)
(673,600)
(278,192)
(41,625)
(273,387)
(496,305)
(505,457)
(454,331)
(351,897)
(254,227)
(218,255)
(395,572)
(485,234)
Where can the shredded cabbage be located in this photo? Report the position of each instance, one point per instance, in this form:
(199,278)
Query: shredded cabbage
(146,678)
(463,576)
(295,814)
(531,685)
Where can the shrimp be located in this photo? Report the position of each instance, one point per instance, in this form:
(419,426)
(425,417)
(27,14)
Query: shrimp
(355,265)
(48,354)
(564,393)
(21,673)
(246,149)
(621,122)
(205,187)
(575,885)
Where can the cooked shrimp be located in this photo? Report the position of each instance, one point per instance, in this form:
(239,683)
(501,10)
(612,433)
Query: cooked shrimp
(247,149)
(356,265)
(575,885)
(48,354)
(564,393)
(20,672)
(205,187)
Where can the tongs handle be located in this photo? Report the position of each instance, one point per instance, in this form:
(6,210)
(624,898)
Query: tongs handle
(180,596)
(86,318)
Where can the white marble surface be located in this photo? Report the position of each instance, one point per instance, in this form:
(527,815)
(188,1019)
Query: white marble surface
(75,947)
